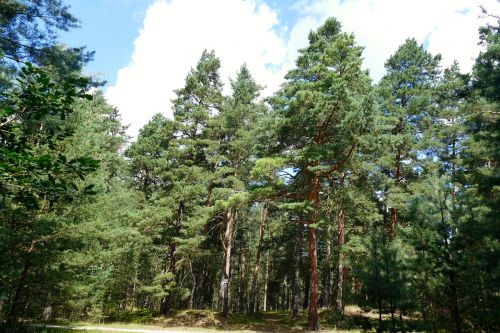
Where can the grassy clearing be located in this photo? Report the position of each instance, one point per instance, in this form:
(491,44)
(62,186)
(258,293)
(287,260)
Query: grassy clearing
(355,320)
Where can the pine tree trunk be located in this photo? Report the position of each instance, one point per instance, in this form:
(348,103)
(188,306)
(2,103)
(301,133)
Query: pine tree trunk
(326,274)
(333,286)
(393,321)
(288,293)
(166,301)
(394,211)
(392,226)
(340,271)
(379,303)
(226,269)
(307,289)
(242,285)
(200,290)
(255,275)
(266,279)
(193,288)
(16,305)
(453,299)
(296,272)
(208,202)
(313,320)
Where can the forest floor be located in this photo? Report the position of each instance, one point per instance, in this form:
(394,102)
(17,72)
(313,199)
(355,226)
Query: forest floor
(354,320)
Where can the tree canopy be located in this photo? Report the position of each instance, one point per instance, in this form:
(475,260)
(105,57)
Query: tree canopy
(335,191)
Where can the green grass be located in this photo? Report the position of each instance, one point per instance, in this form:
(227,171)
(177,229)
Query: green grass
(59,330)
(355,320)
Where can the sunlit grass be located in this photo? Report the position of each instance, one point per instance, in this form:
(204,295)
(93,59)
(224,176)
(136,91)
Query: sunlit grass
(355,320)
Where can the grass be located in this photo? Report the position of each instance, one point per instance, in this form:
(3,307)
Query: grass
(355,320)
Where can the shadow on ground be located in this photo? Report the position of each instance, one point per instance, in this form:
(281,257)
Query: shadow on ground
(355,319)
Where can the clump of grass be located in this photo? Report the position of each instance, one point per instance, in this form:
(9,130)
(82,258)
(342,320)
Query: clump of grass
(139,316)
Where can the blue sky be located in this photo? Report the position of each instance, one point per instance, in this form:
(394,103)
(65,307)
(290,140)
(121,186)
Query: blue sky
(108,27)
(145,48)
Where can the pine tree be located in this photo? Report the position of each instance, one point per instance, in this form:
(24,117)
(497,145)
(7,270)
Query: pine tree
(29,33)
(193,173)
(322,109)
(236,149)
(479,218)
(406,93)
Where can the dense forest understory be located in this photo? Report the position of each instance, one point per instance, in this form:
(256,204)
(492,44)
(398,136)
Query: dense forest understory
(334,192)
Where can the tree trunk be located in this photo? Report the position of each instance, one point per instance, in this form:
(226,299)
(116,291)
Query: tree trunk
(297,246)
(394,211)
(242,285)
(340,271)
(453,299)
(193,288)
(288,294)
(226,269)
(313,320)
(393,321)
(206,227)
(307,289)
(326,274)
(266,279)
(16,306)
(379,303)
(255,275)
(167,300)
(392,226)
(284,294)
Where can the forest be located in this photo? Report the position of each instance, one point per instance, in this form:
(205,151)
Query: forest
(335,191)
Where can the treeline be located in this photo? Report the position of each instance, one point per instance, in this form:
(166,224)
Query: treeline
(333,191)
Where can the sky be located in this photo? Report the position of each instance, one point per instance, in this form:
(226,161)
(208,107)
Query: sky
(145,48)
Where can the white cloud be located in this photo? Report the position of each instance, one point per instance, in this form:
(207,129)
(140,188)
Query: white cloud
(450,27)
(175,33)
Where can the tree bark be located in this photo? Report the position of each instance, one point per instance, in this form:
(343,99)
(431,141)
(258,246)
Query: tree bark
(313,320)
(288,294)
(266,280)
(255,275)
(379,303)
(16,304)
(307,289)
(340,277)
(394,211)
(193,288)
(326,273)
(392,226)
(167,300)
(393,321)
(226,270)
(242,285)
(16,307)
(296,274)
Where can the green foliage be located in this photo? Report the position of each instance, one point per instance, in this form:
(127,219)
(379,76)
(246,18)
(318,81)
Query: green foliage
(29,33)
(37,178)
(396,189)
